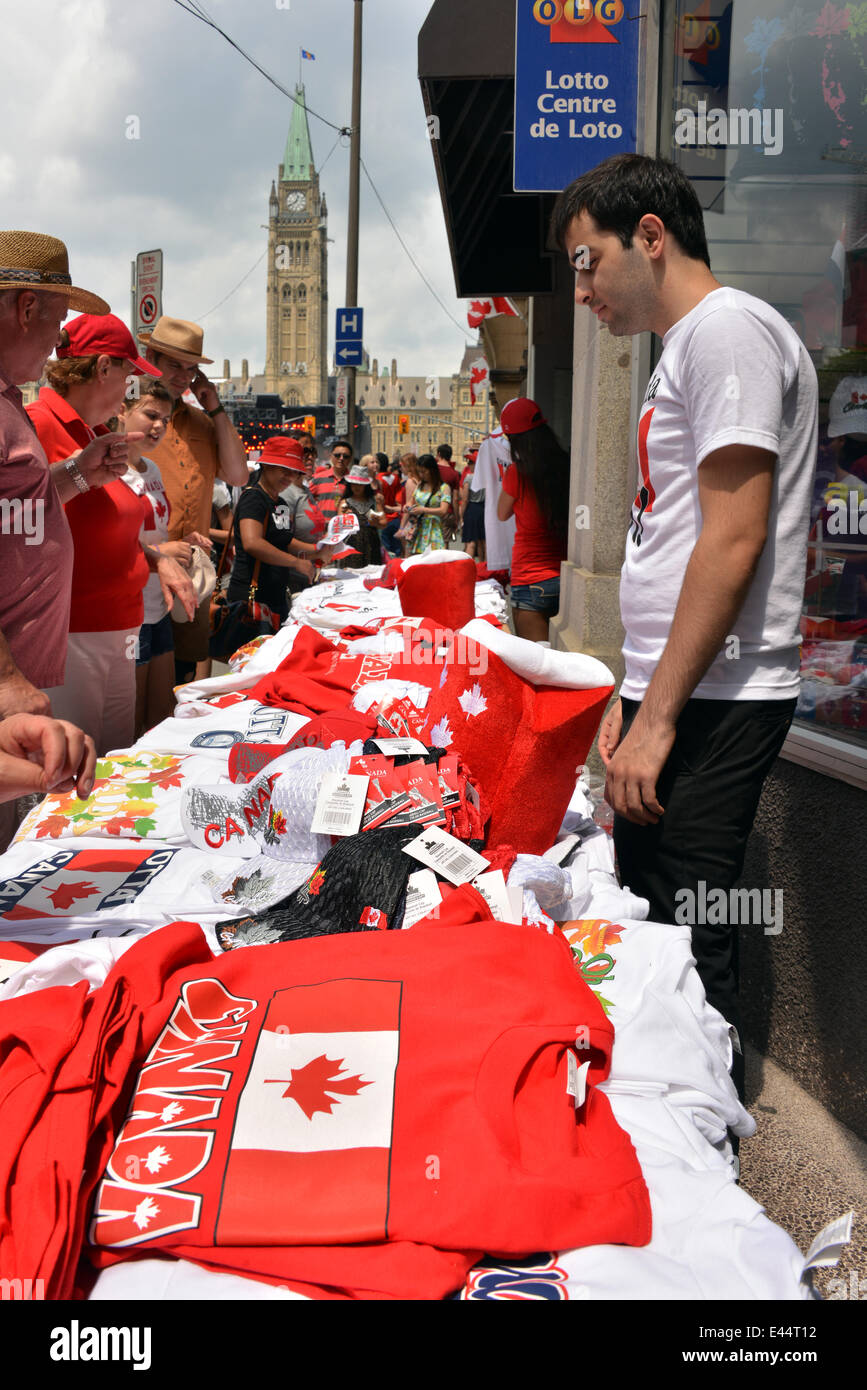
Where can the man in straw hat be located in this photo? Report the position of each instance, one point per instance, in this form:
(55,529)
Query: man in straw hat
(198,447)
(36,293)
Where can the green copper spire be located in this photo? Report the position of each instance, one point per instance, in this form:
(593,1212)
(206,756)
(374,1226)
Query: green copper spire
(298,156)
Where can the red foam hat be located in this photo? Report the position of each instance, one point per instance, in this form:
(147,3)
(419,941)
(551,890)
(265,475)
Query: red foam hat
(282,451)
(92,334)
(520,415)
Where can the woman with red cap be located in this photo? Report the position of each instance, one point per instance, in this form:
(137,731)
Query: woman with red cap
(264,530)
(95,358)
(536,491)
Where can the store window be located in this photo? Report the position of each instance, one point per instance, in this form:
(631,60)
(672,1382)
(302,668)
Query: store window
(764,106)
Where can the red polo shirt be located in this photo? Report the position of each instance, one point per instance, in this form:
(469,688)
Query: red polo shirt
(109,569)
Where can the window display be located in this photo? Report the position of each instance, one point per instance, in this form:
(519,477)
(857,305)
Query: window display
(764,106)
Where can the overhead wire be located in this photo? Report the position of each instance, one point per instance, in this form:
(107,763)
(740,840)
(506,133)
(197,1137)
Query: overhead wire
(198,11)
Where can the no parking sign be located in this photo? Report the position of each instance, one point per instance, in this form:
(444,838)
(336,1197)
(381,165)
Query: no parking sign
(148,290)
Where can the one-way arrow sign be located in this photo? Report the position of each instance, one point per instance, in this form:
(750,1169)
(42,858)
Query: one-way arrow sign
(349,353)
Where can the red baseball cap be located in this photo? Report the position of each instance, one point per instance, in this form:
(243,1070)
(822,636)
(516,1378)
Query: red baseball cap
(520,415)
(96,333)
(282,451)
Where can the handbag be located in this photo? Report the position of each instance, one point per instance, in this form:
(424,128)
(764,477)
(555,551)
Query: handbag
(234,624)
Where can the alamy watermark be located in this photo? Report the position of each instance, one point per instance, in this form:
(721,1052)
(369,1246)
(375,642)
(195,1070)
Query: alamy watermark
(23,517)
(740,125)
(757,907)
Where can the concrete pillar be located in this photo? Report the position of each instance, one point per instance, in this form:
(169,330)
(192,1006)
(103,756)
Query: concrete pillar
(603,484)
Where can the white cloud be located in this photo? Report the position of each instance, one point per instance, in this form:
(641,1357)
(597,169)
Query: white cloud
(212,132)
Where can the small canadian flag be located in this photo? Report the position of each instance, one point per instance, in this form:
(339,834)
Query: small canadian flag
(478,377)
(481,309)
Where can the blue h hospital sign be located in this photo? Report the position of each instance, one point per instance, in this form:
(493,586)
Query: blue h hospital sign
(576,81)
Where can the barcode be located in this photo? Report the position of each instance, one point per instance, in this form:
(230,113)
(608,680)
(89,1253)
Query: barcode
(458,863)
(338,817)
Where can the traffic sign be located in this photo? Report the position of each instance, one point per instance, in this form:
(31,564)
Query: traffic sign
(350,323)
(349,352)
(148,289)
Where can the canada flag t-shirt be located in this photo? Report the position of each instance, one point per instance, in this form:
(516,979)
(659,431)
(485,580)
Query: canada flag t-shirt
(732,371)
(290,1097)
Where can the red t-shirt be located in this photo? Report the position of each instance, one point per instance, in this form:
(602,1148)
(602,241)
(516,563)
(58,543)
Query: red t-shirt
(109,570)
(390,489)
(537,552)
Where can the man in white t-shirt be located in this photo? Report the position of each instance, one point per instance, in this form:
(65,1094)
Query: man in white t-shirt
(712,583)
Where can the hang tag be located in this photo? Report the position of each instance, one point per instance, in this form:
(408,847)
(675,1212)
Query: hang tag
(828,1245)
(422,896)
(576,1080)
(473,795)
(492,887)
(340,804)
(397,747)
(448,856)
(516,898)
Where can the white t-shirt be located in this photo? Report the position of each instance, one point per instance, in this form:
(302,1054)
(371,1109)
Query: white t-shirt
(732,371)
(150,485)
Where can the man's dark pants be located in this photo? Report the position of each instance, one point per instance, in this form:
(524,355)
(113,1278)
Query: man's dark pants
(710,788)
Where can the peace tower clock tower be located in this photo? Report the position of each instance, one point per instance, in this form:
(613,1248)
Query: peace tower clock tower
(297,282)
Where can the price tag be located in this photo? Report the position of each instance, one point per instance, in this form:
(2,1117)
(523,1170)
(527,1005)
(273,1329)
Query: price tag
(828,1245)
(492,887)
(576,1081)
(340,804)
(446,855)
(422,896)
(396,747)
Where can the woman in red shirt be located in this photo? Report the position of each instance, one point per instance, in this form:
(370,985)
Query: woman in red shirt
(110,568)
(536,491)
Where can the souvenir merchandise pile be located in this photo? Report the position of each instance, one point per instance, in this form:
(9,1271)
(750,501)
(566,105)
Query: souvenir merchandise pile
(329,991)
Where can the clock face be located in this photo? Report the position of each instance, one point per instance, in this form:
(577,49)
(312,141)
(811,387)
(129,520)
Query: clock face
(295,202)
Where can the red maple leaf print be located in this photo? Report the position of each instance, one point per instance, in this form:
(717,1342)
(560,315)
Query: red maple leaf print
(318,1086)
(160,508)
(170,777)
(315,883)
(67,893)
(53,826)
(119,825)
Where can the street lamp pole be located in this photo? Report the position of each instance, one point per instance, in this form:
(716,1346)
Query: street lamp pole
(354,199)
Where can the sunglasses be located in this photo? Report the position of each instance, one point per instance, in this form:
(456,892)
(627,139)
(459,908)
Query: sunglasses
(342,456)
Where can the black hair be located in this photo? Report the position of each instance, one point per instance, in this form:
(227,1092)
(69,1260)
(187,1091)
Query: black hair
(618,193)
(382,460)
(444,451)
(544,467)
(428,462)
(341,444)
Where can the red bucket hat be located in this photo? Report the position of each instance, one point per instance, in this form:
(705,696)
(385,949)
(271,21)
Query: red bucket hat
(96,333)
(521,415)
(282,451)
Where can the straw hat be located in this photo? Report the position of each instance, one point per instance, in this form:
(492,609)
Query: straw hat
(31,261)
(177,338)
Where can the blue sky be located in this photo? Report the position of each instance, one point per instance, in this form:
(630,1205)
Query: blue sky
(212,132)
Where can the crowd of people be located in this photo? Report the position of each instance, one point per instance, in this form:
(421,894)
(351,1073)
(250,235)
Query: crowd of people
(136,473)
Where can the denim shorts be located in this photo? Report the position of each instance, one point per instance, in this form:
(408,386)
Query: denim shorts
(154,639)
(541,597)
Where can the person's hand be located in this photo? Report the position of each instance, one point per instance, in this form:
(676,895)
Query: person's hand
(307,568)
(204,391)
(203,542)
(609,734)
(634,769)
(416,511)
(18,696)
(44,755)
(175,582)
(106,457)
(177,550)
